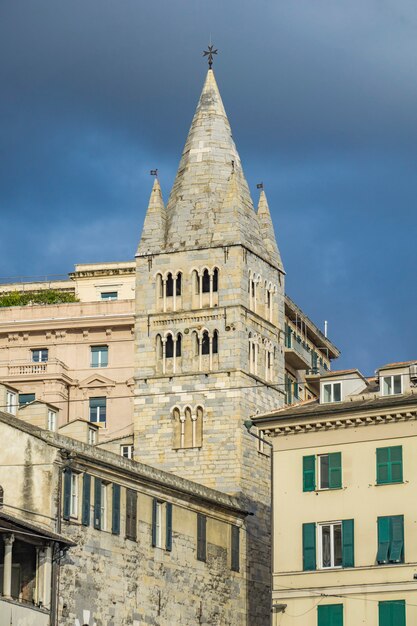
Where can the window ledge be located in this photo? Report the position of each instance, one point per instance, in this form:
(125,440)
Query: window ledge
(397,482)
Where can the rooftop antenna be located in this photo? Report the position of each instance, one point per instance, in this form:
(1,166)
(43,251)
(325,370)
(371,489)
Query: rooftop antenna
(325,328)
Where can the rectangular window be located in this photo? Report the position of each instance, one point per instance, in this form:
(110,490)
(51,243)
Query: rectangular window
(109,295)
(391,613)
(85,511)
(168,527)
(103,507)
(330,615)
(40,355)
(335,542)
(92,436)
(329,470)
(51,420)
(97,503)
(201,537)
(389,465)
(390,540)
(330,545)
(99,356)
(235,549)
(115,510)
(131,514)
(332,392)
(25,398)
(66,500)
(74,495)
(392,385)
(11,402)
(126,451)
(98,410)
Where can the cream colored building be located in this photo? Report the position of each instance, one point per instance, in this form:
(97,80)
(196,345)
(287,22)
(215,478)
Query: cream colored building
(345,486)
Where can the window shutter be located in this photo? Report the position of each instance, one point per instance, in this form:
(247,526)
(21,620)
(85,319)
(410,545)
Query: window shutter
(391,613)
(348,543)
(309,547)
(85,514)
(383,539)
(154,513)
(115,523)
(383,474)
(235,549)
(309,473)
(168,542)
(396,453)
(335,470)
(67,494)
(396,553)
(201,537)
(330,615)
(131,514)
(97,503)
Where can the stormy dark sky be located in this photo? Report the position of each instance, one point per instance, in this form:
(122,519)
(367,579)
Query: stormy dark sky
(322,98)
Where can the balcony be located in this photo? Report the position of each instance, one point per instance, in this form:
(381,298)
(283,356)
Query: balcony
(28,370)
(14,612)
(297,352)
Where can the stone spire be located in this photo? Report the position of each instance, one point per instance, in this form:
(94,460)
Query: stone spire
(267,231)
(153,232)
(209,174)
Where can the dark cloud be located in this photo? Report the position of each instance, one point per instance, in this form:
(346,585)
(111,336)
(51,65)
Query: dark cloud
(322,98)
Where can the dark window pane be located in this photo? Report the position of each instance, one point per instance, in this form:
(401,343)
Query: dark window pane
(205,348)
(324,471)
(337,394)
(170,285)
(169,347)
(179,345)
(25,398)
(215,342)
(325,546)
(337,542)
(206,282)
(178,284)
(216,280)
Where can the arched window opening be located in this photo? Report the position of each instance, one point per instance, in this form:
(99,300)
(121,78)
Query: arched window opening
(178,347)
(188,435)
(169,347)
(253,288)
(198,428)
(215,342)
(205,347)
(215,280)
(169,285)
(206,282)
(178,288)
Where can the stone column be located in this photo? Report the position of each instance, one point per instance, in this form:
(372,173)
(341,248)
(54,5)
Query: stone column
(164,292)
(7,565)
(200,279)
(47,576)
(211,289)
(164,351)
(174,294)
(210,352)
(174,341)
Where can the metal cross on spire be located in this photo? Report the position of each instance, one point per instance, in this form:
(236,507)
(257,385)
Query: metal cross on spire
(210,53)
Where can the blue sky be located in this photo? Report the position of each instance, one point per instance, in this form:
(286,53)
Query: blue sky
(322,99)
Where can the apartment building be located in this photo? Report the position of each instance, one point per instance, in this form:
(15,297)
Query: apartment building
(345,483)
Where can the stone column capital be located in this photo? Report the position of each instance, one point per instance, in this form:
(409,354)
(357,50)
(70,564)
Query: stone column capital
(8,539)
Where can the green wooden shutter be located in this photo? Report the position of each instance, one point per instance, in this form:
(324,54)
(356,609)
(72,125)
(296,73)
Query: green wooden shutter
(335,470)
(154,514)
(66,514)
(383,466)
(85,512)
(235,537)
(391,613)
(97,503)
(168,529)
(384,537)
(115,513)
(348,543)
(330,615)
(309,547)
(309,473)
(396,453)
(201,537)
(396,552)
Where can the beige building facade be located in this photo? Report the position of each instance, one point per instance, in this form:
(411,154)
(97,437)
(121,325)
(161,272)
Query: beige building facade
(345,546)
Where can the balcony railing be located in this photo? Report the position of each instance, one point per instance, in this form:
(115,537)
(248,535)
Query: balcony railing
(29,368)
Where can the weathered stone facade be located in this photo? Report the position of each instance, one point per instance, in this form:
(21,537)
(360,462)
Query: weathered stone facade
(224,257)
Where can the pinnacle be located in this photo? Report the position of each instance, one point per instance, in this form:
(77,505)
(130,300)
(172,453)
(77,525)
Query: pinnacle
(267,230)
(153,233)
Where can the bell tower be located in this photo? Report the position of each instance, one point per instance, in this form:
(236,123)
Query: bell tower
(209,329)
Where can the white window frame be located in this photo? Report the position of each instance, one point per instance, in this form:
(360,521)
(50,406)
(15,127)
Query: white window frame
(320,527)
(99,355)
(74,496)
(391,377)
(158,524)
(51,420)
(39,351)
(129,448)
(11,402)
(332,385)
(92,436)
(319,456)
